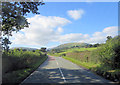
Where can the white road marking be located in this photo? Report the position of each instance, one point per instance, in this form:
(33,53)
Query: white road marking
(60,71)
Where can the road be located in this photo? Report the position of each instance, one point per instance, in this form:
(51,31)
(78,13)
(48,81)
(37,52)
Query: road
(59,70)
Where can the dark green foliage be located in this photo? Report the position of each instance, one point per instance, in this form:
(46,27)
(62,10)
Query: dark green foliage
(110,52)
(13,15)
(96,45)
(43,49)
(109,38)
(13,18)
(22,59)
(5,43)
(18,64)
(64,54)
(90,45)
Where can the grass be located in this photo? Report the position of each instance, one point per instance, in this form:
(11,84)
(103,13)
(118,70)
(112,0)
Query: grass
(18,76)
(78,50)
(81,49)
(98,69)
(84,64)
(72,50)
(78,56)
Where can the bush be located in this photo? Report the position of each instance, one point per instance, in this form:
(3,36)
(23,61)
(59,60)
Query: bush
(63,54)
(21,59)
(18,64)
(110,53)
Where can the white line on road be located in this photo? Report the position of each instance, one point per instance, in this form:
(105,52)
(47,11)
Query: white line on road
(61,71)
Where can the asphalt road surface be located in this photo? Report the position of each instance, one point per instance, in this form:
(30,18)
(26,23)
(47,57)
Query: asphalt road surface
(59,70)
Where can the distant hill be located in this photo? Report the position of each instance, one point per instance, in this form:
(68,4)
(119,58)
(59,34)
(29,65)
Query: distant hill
(71,45)
(26,48)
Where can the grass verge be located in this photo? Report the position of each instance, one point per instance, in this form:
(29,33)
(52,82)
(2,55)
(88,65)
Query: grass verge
(104,71)
(16,77)
(87,65)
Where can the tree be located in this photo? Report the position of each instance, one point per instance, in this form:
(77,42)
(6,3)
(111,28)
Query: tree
(110,53)
(13,17)
(109,38)
(43,49)
(96,45)
(5,43)
(90,45)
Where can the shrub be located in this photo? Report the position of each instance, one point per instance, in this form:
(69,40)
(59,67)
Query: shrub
(110,52)
(21,59)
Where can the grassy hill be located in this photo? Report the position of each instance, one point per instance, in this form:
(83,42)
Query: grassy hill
(71,45)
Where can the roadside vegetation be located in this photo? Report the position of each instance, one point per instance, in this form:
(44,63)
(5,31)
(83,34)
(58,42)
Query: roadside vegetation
(103,59)
(19,63)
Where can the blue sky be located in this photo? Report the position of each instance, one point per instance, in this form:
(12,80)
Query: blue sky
(65,22)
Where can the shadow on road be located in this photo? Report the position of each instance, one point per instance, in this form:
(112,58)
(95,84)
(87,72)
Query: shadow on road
(71,76)
(49,74)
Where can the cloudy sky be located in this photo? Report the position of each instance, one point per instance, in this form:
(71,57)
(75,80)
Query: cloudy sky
(66,22)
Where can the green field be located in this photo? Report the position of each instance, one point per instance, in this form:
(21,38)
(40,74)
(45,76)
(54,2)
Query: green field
(87,65)
(72,50)
(78,49)
(80,56)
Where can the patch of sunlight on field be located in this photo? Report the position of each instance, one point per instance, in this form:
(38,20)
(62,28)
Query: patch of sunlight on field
(74,50)
(79,49)
(87,65)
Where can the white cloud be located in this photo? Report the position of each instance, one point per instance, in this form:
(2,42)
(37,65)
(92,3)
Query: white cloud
(100,37)
(48,29)
(60,30)
(97,37)
(72,37)
(41,30)
(75,14)
(111,31)
(96,34)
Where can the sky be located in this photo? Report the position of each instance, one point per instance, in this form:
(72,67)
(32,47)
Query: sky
(67,22)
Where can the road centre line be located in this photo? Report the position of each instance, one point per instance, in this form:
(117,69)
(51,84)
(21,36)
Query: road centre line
(60,71)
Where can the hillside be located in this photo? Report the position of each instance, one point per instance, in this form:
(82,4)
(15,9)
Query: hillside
(71,45)
(26,48)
